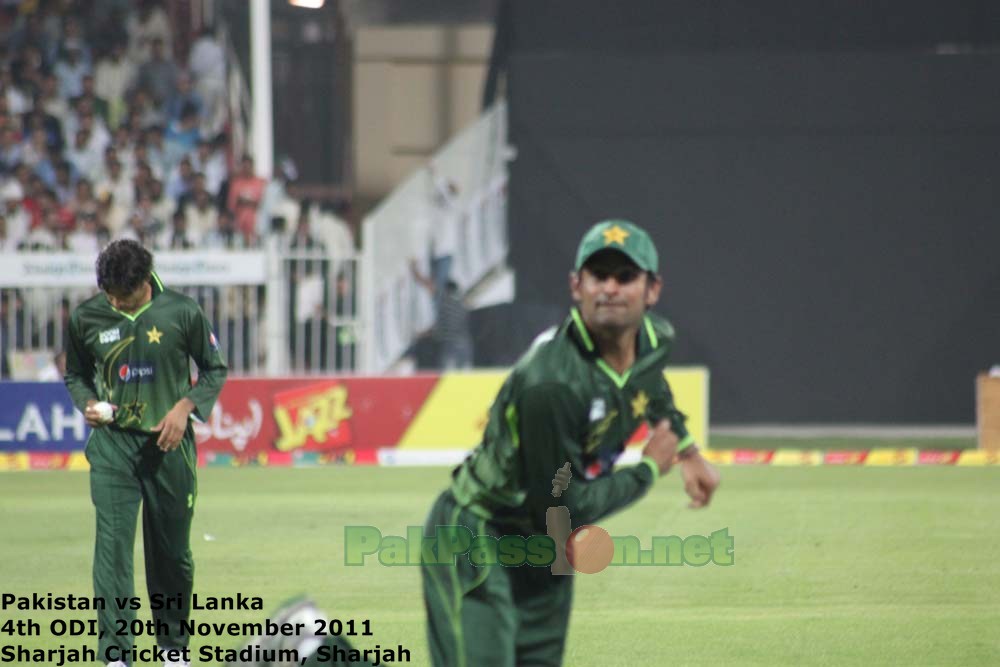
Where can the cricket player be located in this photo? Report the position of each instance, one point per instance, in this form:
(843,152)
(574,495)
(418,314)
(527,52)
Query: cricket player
(130,346)
(577,395)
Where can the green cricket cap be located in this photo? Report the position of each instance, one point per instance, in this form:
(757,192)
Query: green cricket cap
(623,236)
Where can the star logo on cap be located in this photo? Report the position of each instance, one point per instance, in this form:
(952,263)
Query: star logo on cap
(639,404)
(615,234)
(154,335)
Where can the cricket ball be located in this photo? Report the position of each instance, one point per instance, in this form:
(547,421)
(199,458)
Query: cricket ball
(105,413)
(589,549)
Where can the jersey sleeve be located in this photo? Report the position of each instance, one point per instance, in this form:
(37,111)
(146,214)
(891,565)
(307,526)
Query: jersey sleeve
(661,406)
(203,347)
(80,367)
(551,431)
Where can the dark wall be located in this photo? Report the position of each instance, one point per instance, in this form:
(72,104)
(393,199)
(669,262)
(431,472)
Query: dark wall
(827,221)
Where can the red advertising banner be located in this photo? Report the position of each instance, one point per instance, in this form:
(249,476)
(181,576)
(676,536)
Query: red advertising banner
(343,418)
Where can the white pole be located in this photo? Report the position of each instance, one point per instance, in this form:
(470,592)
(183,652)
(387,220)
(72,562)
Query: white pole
(275,310)
(260,65)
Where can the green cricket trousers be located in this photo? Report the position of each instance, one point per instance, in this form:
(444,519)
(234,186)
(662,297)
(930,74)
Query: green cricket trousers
(128,469)
(492,616)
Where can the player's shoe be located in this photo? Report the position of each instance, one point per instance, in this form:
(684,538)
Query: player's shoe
(297,610)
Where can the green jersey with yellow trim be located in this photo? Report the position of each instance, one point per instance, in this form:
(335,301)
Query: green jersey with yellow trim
(561,403)
(140,362)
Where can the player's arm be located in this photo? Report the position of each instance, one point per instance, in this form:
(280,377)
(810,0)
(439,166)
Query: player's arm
(79,377)
(212,371)
(203,348)
(551,428)
(701,478)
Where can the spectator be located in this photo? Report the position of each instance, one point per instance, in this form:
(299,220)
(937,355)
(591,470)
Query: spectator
(226,235)
(29,34)
(152,224)
(183,97)
(49,206)
(444,228)
(83,198)
(18,102)
(51,101)
(86,238)
(146,26)
(65,183)
(17,219)
(36,149)
(111,215)
(84,156)
(100,138)
(73,38)
(11,152)
(200,212)
(451,328)
(47,236)
(182,135)
(245,193)
(142,111)
(7,244)
(96,104)
(125,148)
(303,237)
(158,75)
(112,79)
(116,183)
(156,150)
(212,164)
(207,64)
(29,68)
(276,203)
(36,120)
(70,71)
(163,206)
(181,180)
(176,237)
(142,178)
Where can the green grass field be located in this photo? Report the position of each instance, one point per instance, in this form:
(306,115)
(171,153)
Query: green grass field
(834,565)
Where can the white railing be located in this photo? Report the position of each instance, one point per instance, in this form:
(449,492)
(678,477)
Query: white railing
(396,309)
(276,311)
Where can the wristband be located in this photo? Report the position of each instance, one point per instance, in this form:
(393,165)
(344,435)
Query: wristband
(685,443)
(654,467)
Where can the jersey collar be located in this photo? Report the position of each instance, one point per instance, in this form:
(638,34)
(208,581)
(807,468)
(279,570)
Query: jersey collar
(647,341)
(157,290)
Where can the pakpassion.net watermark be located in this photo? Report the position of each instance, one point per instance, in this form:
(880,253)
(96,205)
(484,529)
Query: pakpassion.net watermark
(587,549)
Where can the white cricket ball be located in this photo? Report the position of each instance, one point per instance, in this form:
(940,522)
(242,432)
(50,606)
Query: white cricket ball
(105,413)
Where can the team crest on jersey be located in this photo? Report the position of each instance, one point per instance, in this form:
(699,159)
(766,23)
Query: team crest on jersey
(597,410)
(109,336)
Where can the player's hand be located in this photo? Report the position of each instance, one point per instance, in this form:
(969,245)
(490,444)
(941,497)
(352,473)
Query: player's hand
(91,415)
(172,427)
(701,479)
(662,446)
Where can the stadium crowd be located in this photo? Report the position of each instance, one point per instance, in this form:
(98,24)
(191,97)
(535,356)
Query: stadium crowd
(105,134)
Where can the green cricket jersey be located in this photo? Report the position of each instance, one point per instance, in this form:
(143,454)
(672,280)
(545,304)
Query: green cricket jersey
(140,362)
(562,403)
